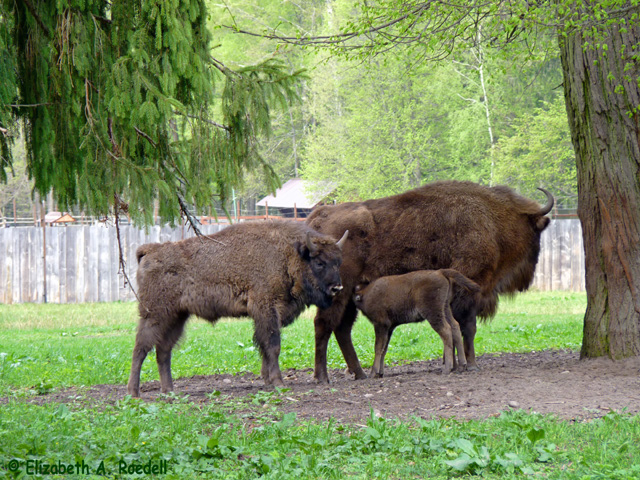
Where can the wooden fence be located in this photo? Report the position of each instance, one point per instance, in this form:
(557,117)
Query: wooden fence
(82,261)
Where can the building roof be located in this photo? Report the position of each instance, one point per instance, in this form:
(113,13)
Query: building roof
(297,192)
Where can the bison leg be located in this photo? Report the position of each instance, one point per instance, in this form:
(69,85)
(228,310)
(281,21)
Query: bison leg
(338,319)
(458,345)
(267,338)
(468,329)
(140,351)
(382,334)
(383,337)
(441,326)
(343,336)
(163,352)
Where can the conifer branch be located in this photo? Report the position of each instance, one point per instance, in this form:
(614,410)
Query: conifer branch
(190,218)
(206,120)
(114,144)
(37,18)
(120,205)
(145,136)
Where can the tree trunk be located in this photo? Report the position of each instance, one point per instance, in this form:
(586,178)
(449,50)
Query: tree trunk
(603,98)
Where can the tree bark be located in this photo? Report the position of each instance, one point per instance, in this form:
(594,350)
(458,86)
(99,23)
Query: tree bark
(603,98)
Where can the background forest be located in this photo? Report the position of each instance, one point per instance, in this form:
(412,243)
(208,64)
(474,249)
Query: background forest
(381,125)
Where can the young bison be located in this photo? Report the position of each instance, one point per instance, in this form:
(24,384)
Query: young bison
(270,271)
(413,297)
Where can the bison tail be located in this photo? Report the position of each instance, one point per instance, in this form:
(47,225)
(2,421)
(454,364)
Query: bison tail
(145,249)
(456,277)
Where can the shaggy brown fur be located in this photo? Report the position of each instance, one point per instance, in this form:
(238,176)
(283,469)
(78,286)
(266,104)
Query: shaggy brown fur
(414,297)
(269,271)
(489,234)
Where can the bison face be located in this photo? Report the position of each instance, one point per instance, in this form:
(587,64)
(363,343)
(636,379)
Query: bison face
(322,278)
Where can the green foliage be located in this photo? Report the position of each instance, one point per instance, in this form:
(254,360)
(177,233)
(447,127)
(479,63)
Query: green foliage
(539,153)
(202,441)
(119,100)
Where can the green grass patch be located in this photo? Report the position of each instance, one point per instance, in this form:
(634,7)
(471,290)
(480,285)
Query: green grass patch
(199,441)
(50,346)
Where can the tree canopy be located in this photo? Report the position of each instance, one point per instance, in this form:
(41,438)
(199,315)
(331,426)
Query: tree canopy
(124,105)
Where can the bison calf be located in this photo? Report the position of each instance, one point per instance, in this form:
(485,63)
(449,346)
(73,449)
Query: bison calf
(270,271)
(413,297)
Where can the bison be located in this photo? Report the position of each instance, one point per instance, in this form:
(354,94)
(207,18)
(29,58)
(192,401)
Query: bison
(414,297)
(270,271)
(489,234)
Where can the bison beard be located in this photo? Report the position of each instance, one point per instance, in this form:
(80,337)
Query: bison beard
(270,271)
(489,234)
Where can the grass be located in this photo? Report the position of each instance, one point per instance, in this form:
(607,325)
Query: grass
(50,346)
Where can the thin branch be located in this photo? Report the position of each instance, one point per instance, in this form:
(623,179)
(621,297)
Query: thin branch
(190,218)
(37,18)
(193,220)
(29,105)
(145,136)
(4,131)
(122,265)
(210,122)
(338,38)
(116,149)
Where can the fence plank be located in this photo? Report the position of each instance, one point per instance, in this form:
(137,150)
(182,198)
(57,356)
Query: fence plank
(82,261)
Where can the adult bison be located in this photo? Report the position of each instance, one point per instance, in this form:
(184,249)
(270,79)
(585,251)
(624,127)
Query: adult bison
(489,234)
(270,271)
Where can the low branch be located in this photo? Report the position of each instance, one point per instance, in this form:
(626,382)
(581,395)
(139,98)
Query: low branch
(120,205)
(4,131)
(29,105)
(145,136)
(37,18)
(114,144)
(193,220)
(190,218)
(210,122)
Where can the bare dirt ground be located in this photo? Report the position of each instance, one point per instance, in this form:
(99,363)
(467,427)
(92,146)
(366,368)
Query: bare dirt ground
(550,382)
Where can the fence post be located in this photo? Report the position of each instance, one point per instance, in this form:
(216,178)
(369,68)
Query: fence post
(44,254)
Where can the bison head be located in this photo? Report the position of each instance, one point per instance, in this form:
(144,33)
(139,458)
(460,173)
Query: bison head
(323,259)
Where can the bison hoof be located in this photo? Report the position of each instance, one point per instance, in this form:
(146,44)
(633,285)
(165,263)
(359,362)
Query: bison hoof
(360,375)
(472,368)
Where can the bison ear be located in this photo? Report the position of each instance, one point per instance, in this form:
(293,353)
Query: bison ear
(340,243)
(306,249)
(542,223)
(302,250)
(313,249)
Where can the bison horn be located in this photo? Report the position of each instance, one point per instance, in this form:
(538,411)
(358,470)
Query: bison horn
(312,248)
(340,243)
(547,208)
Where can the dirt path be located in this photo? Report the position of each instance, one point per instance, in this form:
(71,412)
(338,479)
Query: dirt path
(553,382)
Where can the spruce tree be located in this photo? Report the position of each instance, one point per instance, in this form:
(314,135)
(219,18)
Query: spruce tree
(124,105)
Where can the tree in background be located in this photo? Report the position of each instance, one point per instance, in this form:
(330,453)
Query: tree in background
(124,106)
(539,152)
(599,46)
